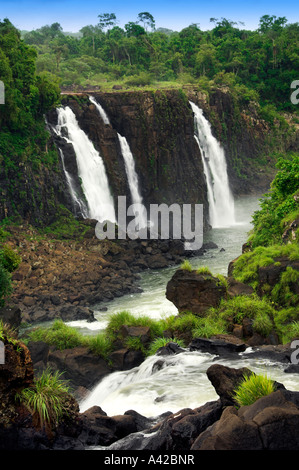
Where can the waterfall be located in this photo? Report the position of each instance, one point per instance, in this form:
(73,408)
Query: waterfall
(158,385)
(132,177)
(129,166)
(76,200)
(100,110)
(221,202)
(91,169)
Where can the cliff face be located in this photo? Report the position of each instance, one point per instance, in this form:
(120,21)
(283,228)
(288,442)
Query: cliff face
(159,128)
(160,132)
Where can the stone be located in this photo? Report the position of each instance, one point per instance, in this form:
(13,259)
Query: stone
(225,380)
(271,423)
(193,292)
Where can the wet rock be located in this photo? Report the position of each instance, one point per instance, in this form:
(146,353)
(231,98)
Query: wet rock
(222,347)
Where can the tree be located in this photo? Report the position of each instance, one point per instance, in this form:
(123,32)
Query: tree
(106,20)
(134,29)
(147,19)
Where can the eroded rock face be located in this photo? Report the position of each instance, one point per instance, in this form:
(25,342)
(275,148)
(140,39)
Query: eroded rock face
(192,292)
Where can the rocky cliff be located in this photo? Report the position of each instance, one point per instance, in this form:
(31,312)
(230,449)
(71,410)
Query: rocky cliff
(159,128)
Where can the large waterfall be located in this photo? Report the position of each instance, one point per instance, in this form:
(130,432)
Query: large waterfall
(221,202)
(91,169)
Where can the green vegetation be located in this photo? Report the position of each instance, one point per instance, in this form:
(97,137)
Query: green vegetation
(161,342)
(63,336)
(65,226)
(252,388)
(204,270)
(186,265)
(46,399)
(256,65)
(280,206)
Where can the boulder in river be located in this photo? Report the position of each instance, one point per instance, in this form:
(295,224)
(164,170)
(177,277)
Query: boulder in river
(192,292)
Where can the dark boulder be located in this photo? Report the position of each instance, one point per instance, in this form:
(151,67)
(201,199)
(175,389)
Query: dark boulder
(271,423)
(193,292)
(219,346)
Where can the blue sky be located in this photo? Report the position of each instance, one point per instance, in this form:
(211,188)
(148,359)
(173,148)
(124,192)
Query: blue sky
(172,14)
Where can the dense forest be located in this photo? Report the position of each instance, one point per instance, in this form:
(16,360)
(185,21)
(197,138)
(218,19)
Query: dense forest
(260,65)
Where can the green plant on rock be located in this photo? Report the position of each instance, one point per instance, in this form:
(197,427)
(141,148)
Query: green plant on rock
(204,270)
(282,293)
(260,310)
(46,398)
(209,326)
(186,265)
(161,342)
(252,388)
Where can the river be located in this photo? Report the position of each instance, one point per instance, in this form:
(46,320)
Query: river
(181,381)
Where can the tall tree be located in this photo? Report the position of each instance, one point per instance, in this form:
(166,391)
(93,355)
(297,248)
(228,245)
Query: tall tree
(147,19)
(106,20)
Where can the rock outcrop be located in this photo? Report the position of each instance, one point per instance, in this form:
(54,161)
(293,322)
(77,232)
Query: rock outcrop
(193,292)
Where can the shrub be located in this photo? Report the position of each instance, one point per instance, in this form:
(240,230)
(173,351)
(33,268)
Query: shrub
(9,259)
(46,399)
(252,388)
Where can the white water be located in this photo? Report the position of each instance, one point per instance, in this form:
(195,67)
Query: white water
(101,110)
(182,382)
(76,200)
(91,168)
(221,202)
(132,178)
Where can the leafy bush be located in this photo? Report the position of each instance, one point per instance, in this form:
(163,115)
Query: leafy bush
(278,204)
(252,388)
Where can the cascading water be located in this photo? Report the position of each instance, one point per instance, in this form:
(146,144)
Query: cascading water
(78,203)
(132,178)
(221,202)
(91,169)
(129,166)
(100,110)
